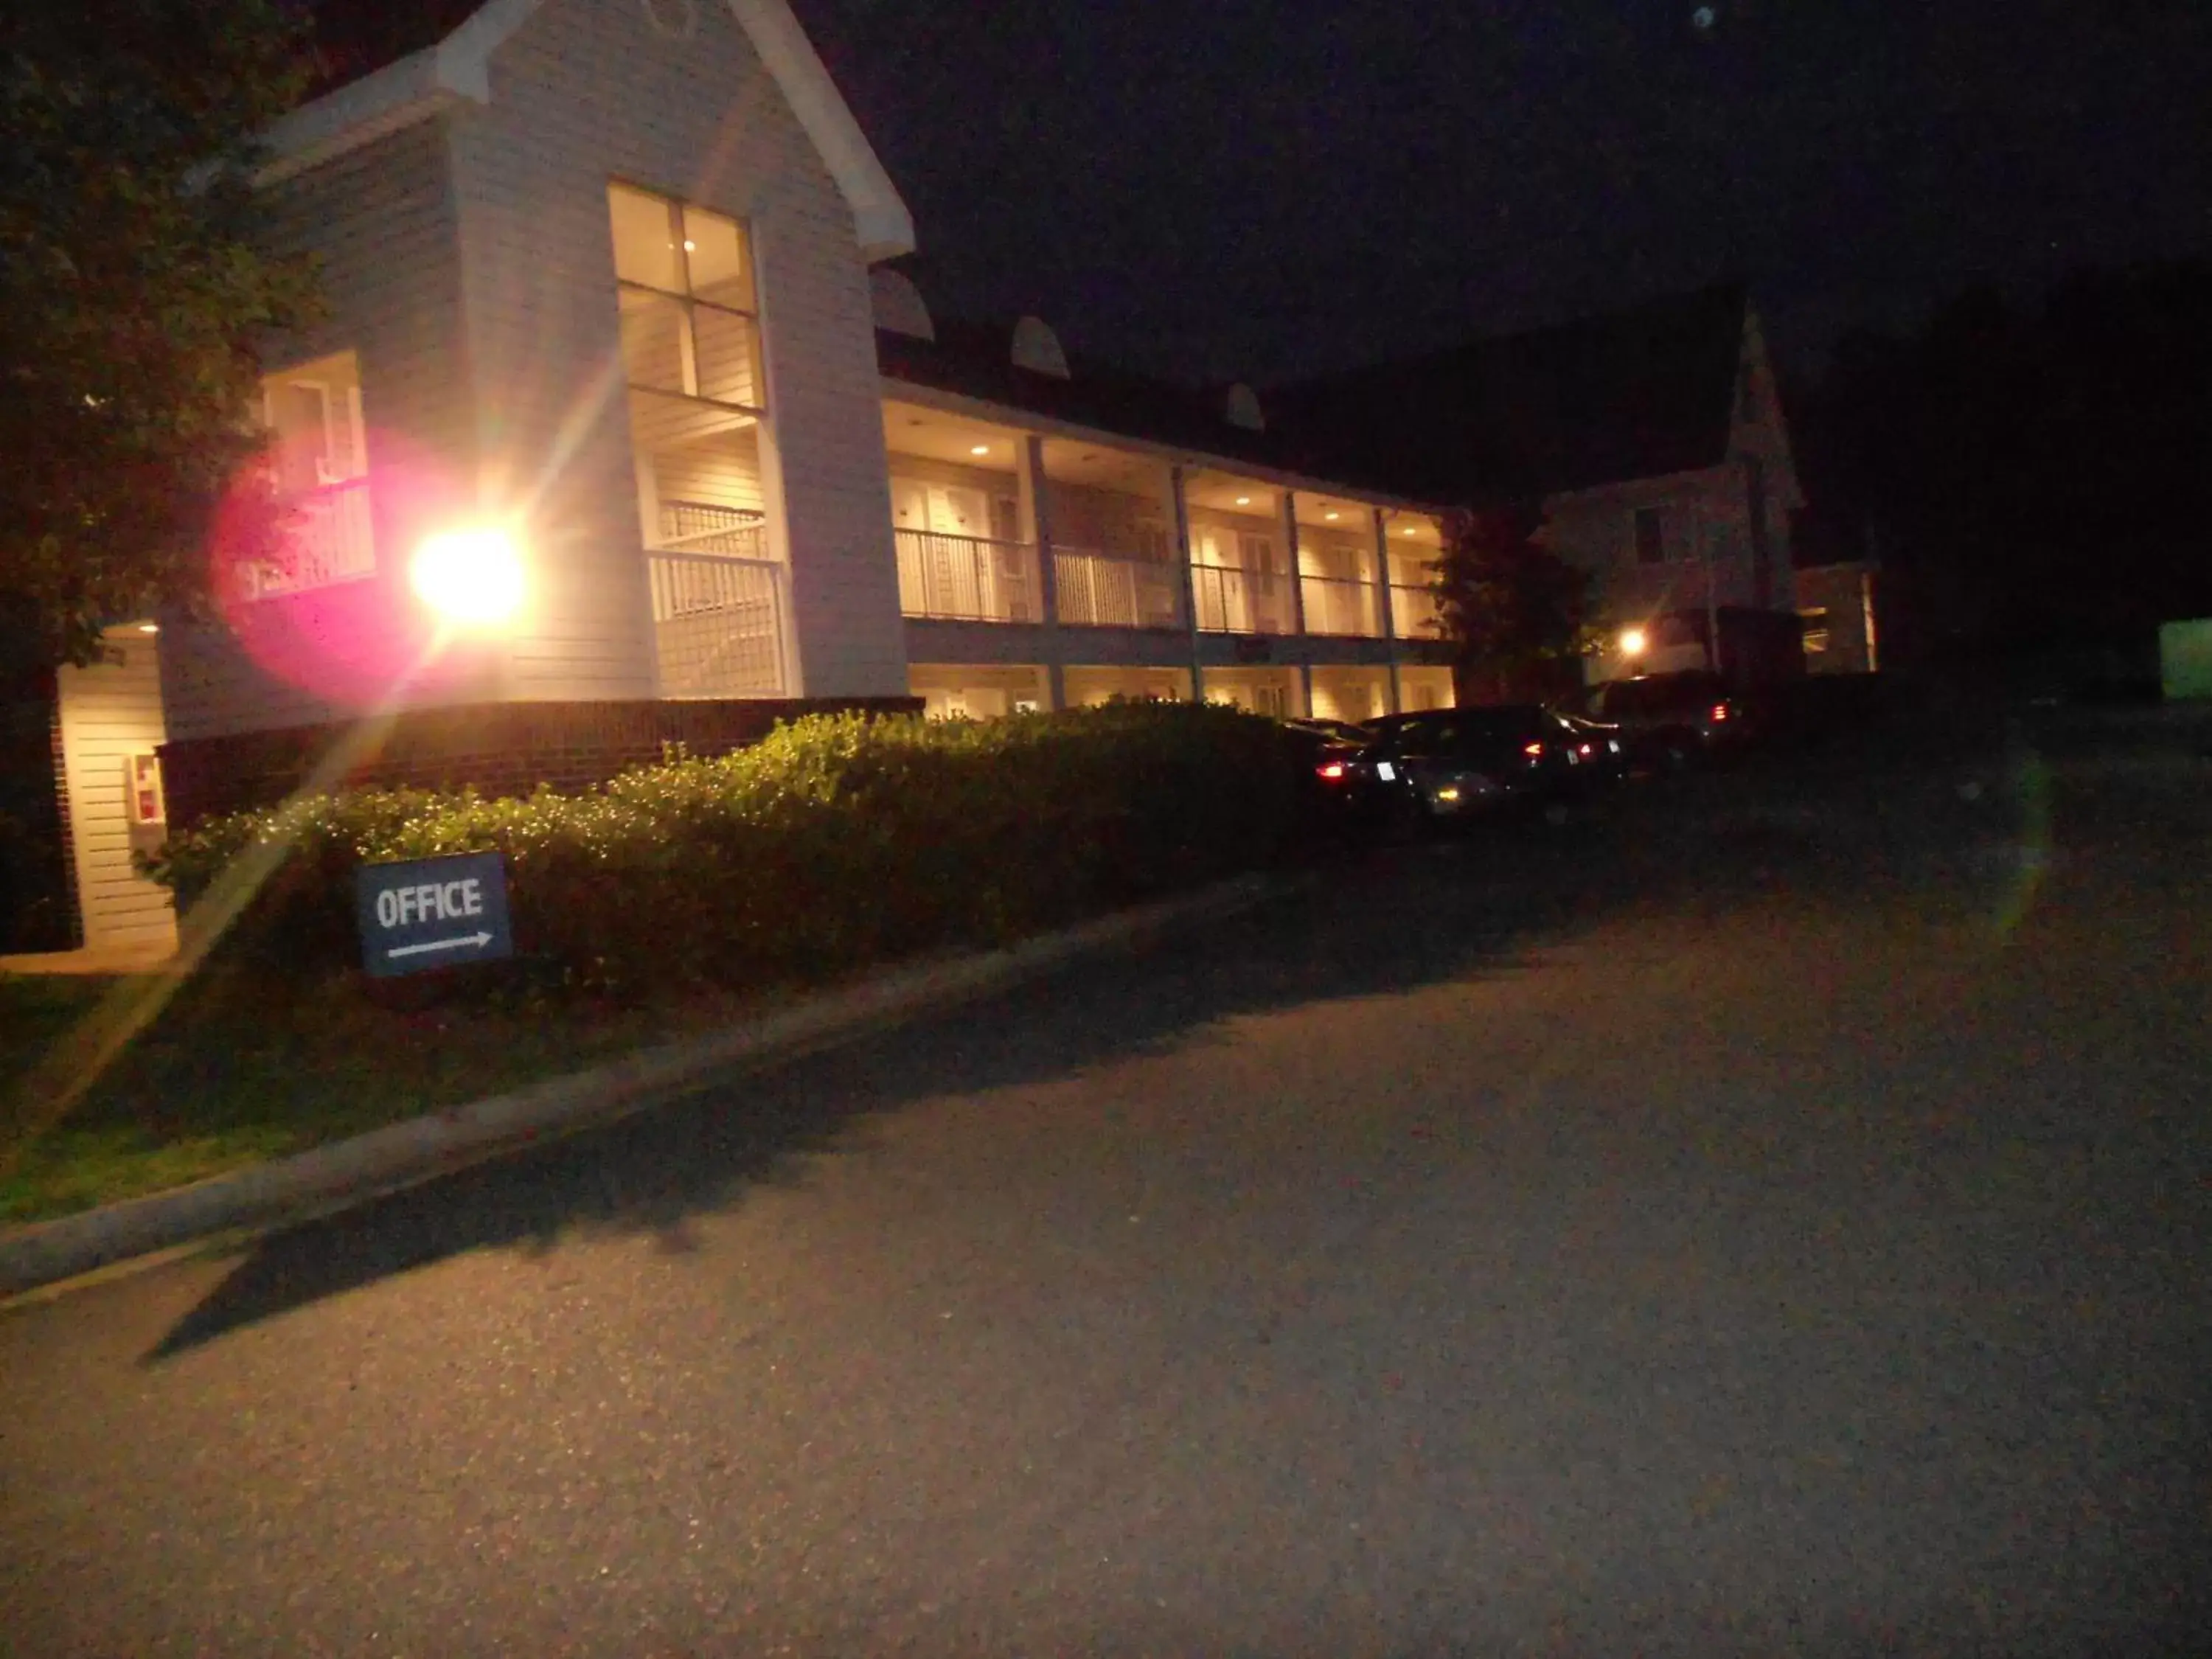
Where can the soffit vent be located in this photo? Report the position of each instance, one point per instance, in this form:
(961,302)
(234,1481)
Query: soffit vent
(898,305)
(1037,348)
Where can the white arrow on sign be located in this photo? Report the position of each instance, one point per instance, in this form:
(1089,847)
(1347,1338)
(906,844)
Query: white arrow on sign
(424,949)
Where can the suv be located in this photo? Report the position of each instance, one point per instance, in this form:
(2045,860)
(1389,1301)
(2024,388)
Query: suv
(1670,720)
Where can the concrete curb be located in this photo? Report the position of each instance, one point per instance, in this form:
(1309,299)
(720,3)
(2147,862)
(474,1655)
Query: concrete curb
(348,1172)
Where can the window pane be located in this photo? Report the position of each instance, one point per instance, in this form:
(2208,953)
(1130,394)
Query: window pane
(715,246)
(652,341)
(645,243)
(298,415)
(727,364)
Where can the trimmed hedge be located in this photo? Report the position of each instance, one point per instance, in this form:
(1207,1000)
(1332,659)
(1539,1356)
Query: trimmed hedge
(834,843)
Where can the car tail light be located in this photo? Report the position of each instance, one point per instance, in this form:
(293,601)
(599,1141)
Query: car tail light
(1720,711)
(1587,751)
(1536,750)
(1331,771)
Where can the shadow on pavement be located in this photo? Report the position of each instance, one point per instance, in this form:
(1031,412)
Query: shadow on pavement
(1389,922)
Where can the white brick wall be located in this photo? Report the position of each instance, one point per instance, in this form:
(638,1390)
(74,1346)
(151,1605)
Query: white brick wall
(585,92)
(380,221)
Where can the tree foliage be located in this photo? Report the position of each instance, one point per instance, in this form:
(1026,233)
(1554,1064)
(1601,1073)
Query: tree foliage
(131,299)
(1513,607)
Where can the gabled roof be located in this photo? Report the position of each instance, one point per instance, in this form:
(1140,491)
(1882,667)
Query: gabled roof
(971,359)
(1636,394)
(384,65)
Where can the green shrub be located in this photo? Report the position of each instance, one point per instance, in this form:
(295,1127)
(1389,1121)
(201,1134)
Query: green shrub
(833,842)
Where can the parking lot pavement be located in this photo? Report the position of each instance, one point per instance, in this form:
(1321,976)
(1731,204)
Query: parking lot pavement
(1770,1217)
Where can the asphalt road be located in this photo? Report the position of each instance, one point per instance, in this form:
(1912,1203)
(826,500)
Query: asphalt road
(1774,1219)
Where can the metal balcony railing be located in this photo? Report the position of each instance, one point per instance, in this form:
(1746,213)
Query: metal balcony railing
(1240,601)
(330,539)
(1413,612)
(967,578)
(1098,590)
(1341,608)
(717,625)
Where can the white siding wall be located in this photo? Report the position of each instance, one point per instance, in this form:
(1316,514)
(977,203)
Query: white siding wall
(585,92)
(726,474)
(380,221)
(109,713)
(1702,513)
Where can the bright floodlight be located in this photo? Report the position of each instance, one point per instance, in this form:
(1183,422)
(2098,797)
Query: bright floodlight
(472,578)
(1633,641)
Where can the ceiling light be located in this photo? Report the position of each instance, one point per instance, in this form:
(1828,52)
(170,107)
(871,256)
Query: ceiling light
(691,247)
(980,449)
(149,628)
(1410,531)
(1330,515)
(1243,500)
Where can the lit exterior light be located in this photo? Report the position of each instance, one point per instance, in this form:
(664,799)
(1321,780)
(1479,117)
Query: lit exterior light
(1410,531)
(980,449)
(1332,516)
(1243,500)
(472,578)
(149,628)
(1633,641)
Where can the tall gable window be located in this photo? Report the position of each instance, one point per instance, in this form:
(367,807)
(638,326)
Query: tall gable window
(698,413)
(689,324)
(319,462)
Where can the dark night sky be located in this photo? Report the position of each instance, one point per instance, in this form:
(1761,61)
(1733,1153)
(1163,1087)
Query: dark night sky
(1237,188)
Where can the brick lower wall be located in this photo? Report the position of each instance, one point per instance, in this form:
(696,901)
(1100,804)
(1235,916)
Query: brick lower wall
(500,748)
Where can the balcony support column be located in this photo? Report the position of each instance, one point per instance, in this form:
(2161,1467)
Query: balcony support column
(1181,509)
(1036,508)
(1290,518)
(1382,598)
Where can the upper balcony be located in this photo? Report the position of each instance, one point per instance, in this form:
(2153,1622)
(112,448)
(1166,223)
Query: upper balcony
(1113,558)
(1240,567)
(966,547)
(1337,581)
(1414,541)
(318,467)
(973,506)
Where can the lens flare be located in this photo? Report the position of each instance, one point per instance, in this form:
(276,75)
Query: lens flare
(472,577)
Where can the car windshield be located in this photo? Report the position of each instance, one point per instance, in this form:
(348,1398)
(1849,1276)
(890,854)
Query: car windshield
(1460,729)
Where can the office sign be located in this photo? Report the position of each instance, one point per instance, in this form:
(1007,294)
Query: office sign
(432,913)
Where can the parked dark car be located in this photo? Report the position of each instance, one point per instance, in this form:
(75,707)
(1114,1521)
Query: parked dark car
(1343,796)
(1450,764)
(1670,720)
(1600,744)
